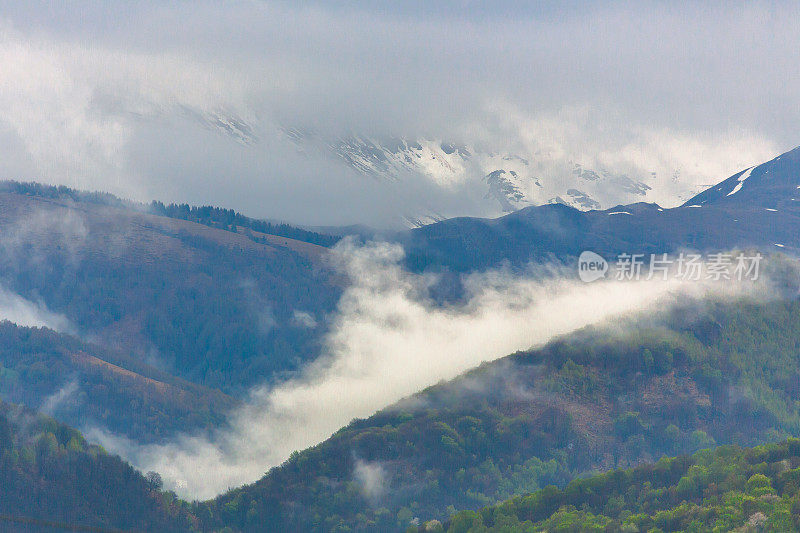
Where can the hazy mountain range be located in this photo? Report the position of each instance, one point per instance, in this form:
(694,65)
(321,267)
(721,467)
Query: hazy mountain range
(495,180)
(211,347)
(508,181)
(428,179)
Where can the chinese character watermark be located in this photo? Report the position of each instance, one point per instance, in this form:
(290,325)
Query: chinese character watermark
(716,266)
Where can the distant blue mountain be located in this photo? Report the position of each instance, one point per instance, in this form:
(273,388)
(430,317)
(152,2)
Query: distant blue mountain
(755,208)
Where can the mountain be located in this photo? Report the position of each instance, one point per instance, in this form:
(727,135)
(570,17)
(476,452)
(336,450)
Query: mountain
(771,185)
(490,170)
(500,181)
(89,386)
(588,402)
(705,373)
(51,479)
(724,489)
(753,208)
(214,306)
(159,316)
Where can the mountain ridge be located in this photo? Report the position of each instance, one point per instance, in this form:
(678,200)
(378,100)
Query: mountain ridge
(763,214)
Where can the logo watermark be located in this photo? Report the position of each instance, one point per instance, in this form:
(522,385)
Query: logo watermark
(685,266)
(591,266)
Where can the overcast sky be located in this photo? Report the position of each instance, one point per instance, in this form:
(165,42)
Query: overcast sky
(112,96)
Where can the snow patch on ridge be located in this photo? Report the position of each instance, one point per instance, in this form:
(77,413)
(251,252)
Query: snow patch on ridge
(744,176)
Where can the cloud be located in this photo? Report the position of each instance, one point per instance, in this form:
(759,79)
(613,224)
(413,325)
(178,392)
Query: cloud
(387,341)
(303,319)
(44,228)
(22,312)
(149,108)
(64,229)
(684,160)
(371,476)
(62,397)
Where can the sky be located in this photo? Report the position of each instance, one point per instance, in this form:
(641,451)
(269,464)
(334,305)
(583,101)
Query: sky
(123,98)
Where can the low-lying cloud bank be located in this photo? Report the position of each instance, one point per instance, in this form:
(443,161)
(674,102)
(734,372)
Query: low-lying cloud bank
(387,341)
(23,312)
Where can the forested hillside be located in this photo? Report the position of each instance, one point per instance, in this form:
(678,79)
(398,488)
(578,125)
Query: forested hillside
(198,302)
(706,373)
(86,385)
(724,489)
(601,399)
(52,480)
(211,306)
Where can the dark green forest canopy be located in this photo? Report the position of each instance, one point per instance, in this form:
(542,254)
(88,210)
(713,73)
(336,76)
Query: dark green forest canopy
(49,473)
